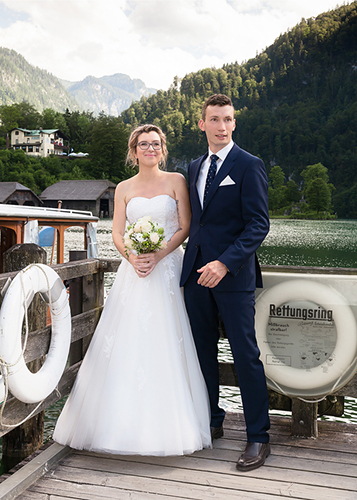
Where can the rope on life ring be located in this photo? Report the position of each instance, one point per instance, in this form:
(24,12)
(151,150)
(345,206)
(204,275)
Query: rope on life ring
(24,385)
(326,377)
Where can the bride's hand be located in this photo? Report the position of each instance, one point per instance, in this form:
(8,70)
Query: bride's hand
(144,264)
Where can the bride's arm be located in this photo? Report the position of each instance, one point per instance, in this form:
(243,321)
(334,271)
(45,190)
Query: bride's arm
(119,220)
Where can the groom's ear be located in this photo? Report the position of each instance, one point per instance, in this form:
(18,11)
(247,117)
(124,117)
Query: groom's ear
(201,124)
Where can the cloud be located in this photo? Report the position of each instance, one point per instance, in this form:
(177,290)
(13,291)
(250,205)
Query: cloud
(153,40)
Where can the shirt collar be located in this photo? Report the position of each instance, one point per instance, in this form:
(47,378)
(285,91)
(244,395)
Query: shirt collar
(222,153)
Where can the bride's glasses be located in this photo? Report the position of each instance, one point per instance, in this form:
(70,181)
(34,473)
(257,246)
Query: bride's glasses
(145,145)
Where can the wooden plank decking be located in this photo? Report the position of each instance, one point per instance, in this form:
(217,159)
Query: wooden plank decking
(308,469)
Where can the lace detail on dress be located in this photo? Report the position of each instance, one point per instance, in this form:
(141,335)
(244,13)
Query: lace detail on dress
(108,345)
(141,379)
(170,263)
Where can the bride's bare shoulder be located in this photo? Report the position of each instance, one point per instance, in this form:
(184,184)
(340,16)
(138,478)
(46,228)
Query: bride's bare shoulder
(174,178)
(124,188)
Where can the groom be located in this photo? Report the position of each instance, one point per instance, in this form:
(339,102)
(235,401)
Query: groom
(230,219)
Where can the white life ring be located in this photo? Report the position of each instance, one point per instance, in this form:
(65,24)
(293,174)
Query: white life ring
(24,385)
(327,376)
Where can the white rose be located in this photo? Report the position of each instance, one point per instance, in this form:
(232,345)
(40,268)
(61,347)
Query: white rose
(145,227)
(137,227)
(154,238)
(128,243)
(146,218)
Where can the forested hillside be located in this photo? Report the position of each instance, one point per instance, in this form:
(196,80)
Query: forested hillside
(20,81)
(296,104)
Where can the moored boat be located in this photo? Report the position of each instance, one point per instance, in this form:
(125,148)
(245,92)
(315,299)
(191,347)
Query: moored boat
(20,224)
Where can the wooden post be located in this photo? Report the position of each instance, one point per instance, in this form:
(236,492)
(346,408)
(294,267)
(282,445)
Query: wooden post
(76,304)
(93,296)
(28,437)
(304,418)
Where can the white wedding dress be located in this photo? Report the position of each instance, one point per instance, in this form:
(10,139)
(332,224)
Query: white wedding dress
(140,389)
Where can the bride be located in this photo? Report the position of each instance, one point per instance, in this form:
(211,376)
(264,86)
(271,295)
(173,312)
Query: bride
(140,389)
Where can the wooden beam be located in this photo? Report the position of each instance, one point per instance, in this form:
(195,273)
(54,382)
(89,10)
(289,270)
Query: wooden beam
(15,411)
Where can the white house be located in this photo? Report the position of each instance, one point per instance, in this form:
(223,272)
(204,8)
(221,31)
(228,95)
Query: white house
(40,142)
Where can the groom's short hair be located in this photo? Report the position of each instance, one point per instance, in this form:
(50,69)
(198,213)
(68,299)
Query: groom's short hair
(216,100)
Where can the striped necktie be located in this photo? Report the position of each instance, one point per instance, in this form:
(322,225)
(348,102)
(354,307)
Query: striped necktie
(210,176)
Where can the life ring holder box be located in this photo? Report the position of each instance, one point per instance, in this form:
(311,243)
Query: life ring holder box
(306,327)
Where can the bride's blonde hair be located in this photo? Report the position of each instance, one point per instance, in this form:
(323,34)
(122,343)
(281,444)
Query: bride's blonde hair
(131,158)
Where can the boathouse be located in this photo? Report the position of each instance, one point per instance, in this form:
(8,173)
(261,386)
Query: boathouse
(96,196)
(14,193)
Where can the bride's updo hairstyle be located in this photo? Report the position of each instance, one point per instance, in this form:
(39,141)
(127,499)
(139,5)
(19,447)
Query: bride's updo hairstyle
(131,158)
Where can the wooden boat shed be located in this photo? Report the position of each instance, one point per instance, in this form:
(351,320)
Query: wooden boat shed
(14,193)
(94,195)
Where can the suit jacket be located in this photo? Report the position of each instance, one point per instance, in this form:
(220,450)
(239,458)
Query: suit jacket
(233,222)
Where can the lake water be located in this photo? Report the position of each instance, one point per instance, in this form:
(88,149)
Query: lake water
(311,243)
(306,243)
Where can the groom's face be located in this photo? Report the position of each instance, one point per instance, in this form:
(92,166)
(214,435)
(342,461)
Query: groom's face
(218,124)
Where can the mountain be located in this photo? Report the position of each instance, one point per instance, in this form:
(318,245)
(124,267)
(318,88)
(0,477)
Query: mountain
(296,104)
(20,81)
(111,94)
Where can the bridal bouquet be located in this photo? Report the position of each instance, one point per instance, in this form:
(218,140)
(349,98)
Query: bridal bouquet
(144,236)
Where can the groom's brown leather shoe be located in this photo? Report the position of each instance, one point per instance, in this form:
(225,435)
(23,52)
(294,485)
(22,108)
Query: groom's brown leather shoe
(253,457)
(216,432)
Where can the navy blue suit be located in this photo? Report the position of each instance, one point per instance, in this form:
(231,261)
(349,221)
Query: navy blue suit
(230,227)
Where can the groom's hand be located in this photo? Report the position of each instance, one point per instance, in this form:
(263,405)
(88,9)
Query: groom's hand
(212,273)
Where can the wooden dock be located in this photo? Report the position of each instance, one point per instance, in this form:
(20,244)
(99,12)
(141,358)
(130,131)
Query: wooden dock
(309,469)
(321,466)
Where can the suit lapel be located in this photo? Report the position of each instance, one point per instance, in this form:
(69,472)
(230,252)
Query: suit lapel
(226,167)
(195,199)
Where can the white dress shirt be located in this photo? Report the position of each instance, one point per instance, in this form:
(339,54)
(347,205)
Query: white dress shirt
(201,181)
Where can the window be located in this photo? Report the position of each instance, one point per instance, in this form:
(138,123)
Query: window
(30,149)
(37,149)
(17,132)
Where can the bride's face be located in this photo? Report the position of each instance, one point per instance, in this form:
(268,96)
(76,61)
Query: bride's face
(148,150)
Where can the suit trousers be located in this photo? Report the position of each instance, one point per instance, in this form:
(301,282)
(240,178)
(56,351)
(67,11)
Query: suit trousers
(237,311)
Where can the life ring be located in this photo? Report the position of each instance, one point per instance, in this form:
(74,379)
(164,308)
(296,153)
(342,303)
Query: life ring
(333,372)
(2,390)
(24,385)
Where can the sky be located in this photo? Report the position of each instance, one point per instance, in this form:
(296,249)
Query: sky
(153,40)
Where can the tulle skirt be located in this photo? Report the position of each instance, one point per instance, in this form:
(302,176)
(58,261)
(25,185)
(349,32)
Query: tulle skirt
(140,389)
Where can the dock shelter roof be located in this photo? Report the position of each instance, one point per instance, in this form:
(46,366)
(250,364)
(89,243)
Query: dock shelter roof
(9,188)
(76,190)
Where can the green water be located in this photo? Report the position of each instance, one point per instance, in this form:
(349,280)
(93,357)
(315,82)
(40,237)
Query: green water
(310,243)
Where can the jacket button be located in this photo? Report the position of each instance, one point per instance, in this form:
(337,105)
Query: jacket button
(201,224)
(196,245)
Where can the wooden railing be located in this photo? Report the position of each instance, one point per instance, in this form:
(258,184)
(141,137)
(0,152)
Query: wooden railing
(91,273)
